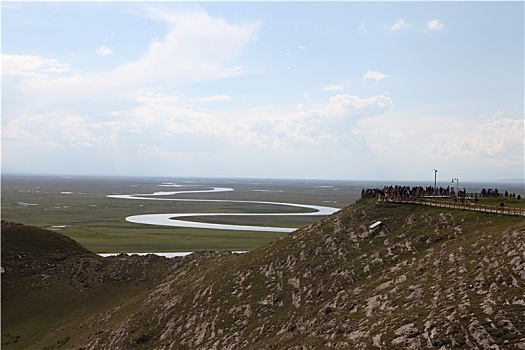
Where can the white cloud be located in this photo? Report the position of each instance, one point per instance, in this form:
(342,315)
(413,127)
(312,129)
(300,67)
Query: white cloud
(321,129)
(69,130)
(316,128)
(434,24)
(498,142)
(214,98)
(170,121)
(333,88)
(399,24)
(105,50)
(196,48)
(171,113)
(454,144)
(344,104)
(375,75)
(31,65)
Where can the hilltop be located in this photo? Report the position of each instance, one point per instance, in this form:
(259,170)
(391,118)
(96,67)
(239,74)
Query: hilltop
(428,278)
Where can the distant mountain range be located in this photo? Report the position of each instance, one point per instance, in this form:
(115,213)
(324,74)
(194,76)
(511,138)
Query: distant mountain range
(425,278)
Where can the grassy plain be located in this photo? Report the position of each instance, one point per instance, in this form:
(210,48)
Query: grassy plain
(79,208)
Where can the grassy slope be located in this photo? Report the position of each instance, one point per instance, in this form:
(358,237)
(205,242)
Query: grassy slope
(427,278)
(52,284)
(431,276)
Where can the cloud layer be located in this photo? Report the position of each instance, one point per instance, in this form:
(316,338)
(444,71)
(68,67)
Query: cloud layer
(177,108)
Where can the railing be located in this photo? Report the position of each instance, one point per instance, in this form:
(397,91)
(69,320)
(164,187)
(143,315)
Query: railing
(457,205)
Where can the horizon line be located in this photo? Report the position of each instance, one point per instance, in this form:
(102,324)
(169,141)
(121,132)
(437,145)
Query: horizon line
(22,173)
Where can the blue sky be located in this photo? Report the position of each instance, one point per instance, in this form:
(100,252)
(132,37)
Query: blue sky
(331,90)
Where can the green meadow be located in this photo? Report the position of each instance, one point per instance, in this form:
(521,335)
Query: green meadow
(80,208)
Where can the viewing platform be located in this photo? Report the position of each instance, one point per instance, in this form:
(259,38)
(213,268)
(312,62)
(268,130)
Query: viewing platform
(432,201)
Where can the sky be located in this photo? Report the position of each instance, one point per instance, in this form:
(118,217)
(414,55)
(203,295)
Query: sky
(300,90)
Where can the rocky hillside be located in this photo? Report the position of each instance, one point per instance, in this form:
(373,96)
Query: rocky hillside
(428,278)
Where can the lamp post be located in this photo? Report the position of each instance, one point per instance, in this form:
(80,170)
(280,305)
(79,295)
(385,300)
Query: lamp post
(457,185)
(435,188)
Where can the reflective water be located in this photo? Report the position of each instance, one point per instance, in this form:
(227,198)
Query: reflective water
(170,219)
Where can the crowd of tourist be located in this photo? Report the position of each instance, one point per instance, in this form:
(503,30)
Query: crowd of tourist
(405,191)
(419,191)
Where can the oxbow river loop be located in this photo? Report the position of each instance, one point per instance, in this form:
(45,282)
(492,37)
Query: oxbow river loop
(171,219)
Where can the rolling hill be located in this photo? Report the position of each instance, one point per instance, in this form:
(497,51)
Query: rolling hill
(429,277)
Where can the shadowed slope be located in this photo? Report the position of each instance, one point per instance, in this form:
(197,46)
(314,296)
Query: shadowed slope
(50,284)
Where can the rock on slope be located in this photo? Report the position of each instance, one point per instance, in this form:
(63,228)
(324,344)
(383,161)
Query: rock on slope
(430,278)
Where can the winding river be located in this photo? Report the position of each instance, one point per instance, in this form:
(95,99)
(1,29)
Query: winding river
(171,219)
